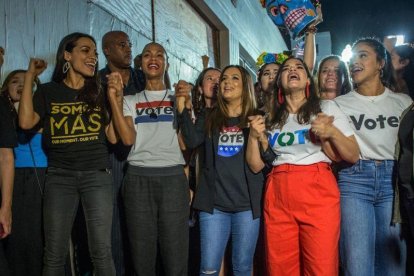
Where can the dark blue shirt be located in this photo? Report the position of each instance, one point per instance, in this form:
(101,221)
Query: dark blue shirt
(136,82)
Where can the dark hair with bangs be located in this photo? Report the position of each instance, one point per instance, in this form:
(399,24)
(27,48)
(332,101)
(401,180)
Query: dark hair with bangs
(279,112)
(219,115)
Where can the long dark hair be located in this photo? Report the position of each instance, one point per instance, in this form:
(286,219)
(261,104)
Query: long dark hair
(199,103)
(219,115)
(279,112)
(387,76)
(406,52)
(91,93)
(343,75)
(264,99)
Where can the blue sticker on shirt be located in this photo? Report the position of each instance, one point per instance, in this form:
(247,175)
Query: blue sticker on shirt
(231,141)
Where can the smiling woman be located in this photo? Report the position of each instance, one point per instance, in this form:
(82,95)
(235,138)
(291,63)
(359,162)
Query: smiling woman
(367,187)
(228,194)
(333,78)
(71,108)
(155,188)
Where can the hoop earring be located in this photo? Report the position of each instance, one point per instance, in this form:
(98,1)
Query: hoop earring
(280,98)
(381,73)
(307,91)
(66,67)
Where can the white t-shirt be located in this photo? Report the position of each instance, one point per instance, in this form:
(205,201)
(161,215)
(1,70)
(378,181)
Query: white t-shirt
(375,120)
(156,143)
(293,143)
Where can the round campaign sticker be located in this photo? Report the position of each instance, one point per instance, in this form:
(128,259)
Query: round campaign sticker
(231,141)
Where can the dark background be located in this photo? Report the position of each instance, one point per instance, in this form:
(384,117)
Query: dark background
(351,19)
(348,20)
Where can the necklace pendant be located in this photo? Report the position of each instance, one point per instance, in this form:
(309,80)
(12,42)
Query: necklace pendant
(153,115)
(152,111)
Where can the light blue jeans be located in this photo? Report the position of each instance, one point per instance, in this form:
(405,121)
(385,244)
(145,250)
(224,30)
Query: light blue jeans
(215,231)
(370,244)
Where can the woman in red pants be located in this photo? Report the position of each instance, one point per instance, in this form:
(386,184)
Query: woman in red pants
(301,207)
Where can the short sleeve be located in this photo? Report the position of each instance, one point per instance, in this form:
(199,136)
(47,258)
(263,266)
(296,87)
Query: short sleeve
(340,119)
(128,109)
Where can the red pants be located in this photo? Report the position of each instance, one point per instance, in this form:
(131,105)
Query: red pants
(302,220)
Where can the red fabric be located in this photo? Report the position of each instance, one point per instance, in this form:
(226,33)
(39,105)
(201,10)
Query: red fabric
(302,220)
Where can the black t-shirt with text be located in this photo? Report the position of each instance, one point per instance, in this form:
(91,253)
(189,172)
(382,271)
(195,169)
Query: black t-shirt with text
(232,193)
(8,138)
(72,139)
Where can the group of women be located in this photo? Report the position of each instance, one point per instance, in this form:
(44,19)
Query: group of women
(302,129)
(307,211)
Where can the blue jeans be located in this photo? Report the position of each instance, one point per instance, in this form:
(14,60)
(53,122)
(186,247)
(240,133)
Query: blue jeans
(215,230)
(63,190)
(370,244)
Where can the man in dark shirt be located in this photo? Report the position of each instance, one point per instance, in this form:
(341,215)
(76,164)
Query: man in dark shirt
(8,141)
(116,47)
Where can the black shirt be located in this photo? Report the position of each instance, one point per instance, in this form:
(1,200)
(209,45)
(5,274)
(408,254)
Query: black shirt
(136,82)
(405,164)
(232,193)
(72,140)
(8,138)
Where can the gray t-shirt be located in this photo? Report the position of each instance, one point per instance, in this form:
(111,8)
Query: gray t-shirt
(156,143)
